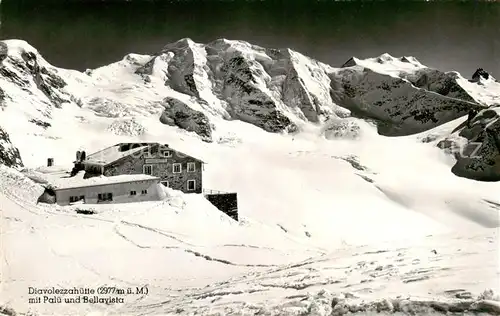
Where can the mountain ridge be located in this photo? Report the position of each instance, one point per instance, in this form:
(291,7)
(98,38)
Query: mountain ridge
(188,85)
(374,223)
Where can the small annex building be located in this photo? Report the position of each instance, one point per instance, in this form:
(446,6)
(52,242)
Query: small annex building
(174,169)
(115,189)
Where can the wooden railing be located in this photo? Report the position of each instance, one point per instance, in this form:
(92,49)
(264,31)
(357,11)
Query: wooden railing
(209,191)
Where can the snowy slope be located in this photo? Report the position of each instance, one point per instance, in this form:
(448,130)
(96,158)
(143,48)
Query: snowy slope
(451,84)
(315,204)
(474,146)
(405,95)
(272,89)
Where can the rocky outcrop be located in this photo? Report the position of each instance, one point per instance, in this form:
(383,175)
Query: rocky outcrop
(2,98)
(404,96)
(480,73)
(9,154)
(276,89)
(306,88)
(4,52)
(156,66)
(40,123)
(296,96)
(249,102)
(443,83)
(182,66)
(479,159)
(398,106)
(46,81)
(178,113)
(237,80)
(25,68)
(349,63)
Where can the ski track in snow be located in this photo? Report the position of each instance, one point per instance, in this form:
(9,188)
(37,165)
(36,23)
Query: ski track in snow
(190,251)
(356,271)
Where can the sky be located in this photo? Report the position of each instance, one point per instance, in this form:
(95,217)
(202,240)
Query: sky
(461,36)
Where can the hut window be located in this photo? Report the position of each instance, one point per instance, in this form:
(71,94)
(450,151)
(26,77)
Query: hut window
(191,185)
(177,168)
(147,169)
(133,193)
(144,192)
(73,199)
(191,167)
(102,197)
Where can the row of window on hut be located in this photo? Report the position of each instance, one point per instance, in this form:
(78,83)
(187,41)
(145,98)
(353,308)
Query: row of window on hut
(102,197)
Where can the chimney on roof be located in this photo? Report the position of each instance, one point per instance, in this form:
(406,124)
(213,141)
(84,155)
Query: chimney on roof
(80,156)
(50,162)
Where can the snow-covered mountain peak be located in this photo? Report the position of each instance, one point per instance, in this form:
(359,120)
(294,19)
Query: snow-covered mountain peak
(27,78)
(385,57)
(388,59)
(387,64)
(411,59)
(275,89)
(223,73)
(231,46)
(186,41)
(18,55)
(481,75)
(15,48)
(483,89)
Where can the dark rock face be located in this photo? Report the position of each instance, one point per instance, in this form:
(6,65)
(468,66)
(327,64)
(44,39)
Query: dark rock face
(21,71)
(443,83)
(275,122)
(12,76)
(480,73)
(178,113)
(46,81)
(4,50)
(480,157)
(146,69)
(2,98)
(351,62)
(296,95)
(40,123)
(248,102)
(398,106)
(242,84)
(276,88)
(9,155)
(181,68)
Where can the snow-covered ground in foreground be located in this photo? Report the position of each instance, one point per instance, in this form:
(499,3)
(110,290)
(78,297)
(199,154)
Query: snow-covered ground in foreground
(352,221)
(316,214)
